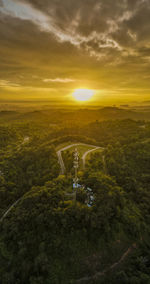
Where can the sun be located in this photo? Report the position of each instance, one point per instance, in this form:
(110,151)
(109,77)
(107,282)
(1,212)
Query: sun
(83,95)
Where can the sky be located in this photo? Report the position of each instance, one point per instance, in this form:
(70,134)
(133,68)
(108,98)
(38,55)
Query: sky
(49,48)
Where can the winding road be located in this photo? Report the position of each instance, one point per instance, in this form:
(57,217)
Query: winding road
(60,159)
(113,266)
(62,166)
(25,140)
(87,152)
(9,209)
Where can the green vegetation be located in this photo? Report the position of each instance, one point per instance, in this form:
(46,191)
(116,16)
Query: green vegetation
(58,235)
(96,152)
(24,168)
(68,156)
(47,237)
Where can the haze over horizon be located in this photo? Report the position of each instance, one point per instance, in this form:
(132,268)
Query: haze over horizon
(50,48)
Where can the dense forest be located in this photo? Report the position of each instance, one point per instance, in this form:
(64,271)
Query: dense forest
(48,237)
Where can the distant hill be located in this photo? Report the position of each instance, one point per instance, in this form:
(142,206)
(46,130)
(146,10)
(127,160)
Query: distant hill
(7,116)
(75,116)
(33,116)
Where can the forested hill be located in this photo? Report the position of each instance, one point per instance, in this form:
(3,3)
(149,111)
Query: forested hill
(103,133)
(47,237)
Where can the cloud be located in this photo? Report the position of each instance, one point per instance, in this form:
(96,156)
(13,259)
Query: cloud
(74,23)
(5,83)
(99,26)
(105,25)
(25,11)
(59,80)
(101,43)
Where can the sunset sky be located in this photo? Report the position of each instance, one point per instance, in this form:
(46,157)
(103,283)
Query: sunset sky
(49,48)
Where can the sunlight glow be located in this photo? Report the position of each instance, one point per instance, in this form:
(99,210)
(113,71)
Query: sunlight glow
(83,95)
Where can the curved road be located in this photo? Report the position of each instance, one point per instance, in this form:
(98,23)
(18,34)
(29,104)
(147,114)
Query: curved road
(25,140)
(87,152)
(9,209)
(62,166)
(60,159)
(98,274)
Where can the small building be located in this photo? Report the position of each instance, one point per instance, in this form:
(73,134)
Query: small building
(76,185)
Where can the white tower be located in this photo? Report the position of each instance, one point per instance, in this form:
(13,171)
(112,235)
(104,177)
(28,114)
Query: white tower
(76,166)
